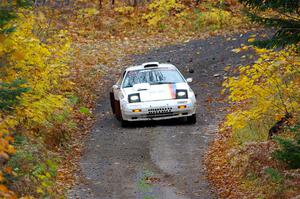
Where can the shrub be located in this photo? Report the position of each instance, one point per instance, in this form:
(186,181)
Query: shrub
(34,85)
(126,10)
(9,93)
(266,91)
(33,169)
(214,18)
(160,10)
(274,175)
(290,149)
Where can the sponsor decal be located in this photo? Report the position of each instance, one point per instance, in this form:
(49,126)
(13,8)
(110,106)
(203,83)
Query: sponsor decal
(172,89)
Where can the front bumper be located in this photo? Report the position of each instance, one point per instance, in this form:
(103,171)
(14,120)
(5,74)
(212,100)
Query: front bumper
(158,110)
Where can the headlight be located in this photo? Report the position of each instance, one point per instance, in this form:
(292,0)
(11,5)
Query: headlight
(132,98)
(181,94)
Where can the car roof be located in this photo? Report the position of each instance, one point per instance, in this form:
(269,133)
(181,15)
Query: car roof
(151,65)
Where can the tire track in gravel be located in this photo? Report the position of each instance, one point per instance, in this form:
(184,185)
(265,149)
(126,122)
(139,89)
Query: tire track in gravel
(116,160)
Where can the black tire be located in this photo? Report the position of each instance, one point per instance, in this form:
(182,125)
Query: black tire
(191,119)
(118,112)
(125,123)
(112,102)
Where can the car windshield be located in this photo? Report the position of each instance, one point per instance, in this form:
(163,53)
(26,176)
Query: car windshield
(152,76)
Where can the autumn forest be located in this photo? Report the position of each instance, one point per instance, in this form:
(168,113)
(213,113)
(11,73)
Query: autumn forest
(60,58)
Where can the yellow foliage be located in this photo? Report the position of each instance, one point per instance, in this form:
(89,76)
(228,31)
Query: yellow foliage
(88,11)
(265,91)
(125,10)
(251,39)
(161,9)
(43,66)
(215,17)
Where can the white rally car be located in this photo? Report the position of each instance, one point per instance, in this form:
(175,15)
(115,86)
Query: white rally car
(153,91)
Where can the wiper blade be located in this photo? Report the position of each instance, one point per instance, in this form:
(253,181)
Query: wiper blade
(128,86)
(163,83)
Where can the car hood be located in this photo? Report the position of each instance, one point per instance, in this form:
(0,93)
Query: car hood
(157,92)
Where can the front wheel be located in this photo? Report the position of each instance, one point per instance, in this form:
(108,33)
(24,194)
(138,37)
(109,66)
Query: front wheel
(112,102)
(192,119)
(118,112)
(125,123)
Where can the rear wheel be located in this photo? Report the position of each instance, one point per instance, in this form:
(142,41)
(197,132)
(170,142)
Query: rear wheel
(192,119)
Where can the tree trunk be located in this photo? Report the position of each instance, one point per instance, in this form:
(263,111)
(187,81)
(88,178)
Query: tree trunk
(100,4)
(112,3)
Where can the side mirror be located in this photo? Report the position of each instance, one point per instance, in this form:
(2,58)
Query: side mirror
(115,86)
(189,80)
(191,70)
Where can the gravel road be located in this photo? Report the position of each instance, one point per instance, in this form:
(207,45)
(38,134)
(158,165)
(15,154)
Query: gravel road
(161,160)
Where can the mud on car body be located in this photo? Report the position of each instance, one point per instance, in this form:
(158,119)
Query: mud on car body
(153,91)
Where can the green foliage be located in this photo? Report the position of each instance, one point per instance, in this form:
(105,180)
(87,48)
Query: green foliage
(283,6)
(254,132)
(9,93)
(142,185)
(84,110)
(45,174)
(282,14)
(290,149)
(8,11)
(274,175)
(34,168)
(73,100)
(148,197)
(6,16)
(61,117)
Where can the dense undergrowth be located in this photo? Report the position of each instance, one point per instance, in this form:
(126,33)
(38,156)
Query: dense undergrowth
(36,107)
(256,154)
(245,161)
(257,151)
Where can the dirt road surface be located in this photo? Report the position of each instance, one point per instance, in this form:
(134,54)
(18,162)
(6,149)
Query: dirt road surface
(160,160)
